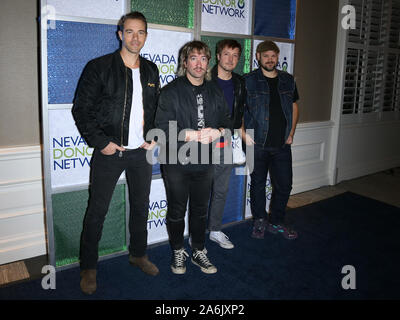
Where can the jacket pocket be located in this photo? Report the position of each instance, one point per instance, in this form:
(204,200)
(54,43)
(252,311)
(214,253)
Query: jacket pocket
(254,100)
(287,94)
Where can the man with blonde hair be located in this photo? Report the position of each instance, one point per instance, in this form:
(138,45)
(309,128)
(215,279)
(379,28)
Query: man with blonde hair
(197,109)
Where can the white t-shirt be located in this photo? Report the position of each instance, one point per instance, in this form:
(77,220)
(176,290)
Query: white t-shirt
(136,121)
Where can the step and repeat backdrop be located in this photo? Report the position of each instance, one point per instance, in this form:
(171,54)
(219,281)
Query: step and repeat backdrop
(75,31)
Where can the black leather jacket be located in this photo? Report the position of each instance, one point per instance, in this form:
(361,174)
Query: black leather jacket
(239,97)
(177,102)
(103,99)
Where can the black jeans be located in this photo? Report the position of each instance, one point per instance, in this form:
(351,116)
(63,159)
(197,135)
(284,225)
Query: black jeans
(105,172)
(181,185)
(278,161)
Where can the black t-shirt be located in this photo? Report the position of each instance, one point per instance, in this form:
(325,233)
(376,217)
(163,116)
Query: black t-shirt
(201,121)
(199,92)
(277,119)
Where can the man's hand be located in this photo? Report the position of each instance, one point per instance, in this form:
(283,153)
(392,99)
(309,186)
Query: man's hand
(148,146)
(208,135)
(192,135)
(204,136)
(111,148)
(247,139)
(289,139)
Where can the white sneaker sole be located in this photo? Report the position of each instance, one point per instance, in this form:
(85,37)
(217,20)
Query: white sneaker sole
(178,270)
(208,271)
(223,245)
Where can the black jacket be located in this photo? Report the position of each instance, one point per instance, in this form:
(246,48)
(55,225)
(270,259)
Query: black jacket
(177,102)
(102,104)
(239,97)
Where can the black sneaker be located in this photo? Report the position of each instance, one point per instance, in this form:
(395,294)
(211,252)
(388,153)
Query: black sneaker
(178,261)
(287,232)
(258,229)
(199,258)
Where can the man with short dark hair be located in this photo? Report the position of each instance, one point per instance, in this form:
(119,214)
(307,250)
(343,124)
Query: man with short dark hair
(114,109)
(197,109)
(228,53)
(272,112)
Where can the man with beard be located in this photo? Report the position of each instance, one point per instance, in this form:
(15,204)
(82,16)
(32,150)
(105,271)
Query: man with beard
(272,112)
(197,109)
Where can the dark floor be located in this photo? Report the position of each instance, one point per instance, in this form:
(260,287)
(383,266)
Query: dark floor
(383,186)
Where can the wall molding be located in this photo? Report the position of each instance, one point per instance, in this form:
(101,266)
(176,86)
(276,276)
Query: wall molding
(311,155)
(22,226)
(23,152)
(357,170)
(366,148)
(306,126)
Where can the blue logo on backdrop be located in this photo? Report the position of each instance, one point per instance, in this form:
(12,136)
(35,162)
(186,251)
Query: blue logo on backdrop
(70,153)
(157,214)
(224,8)
(166,66)
(268,191)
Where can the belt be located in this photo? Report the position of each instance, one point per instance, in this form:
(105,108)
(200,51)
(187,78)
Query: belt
(127,149)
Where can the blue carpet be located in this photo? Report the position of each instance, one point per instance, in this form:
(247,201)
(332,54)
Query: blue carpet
(347,229)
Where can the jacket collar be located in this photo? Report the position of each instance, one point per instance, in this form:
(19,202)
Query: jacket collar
(281,77)
(118,58)
(214,73)
(117,54)
(187,83)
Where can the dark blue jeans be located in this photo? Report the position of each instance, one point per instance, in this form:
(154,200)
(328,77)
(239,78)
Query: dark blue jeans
(105,172)
(278,162)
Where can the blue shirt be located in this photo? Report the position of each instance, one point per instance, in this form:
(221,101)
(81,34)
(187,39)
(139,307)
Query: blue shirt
(228,89)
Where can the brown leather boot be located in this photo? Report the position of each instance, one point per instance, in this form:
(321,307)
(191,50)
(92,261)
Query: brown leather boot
(144,264)
(88,281)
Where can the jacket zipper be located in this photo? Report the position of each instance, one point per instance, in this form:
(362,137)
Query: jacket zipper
(123,114)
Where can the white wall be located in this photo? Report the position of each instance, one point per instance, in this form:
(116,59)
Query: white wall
(19,87)
(367,146)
